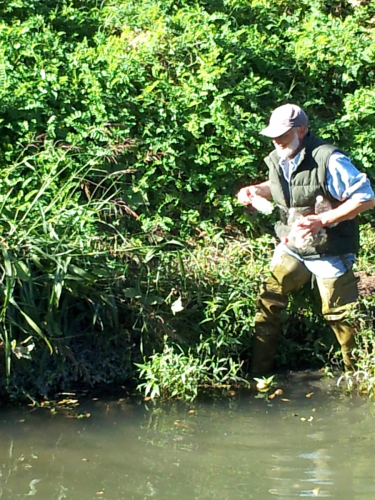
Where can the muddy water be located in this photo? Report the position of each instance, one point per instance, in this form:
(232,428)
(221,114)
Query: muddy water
(233,447)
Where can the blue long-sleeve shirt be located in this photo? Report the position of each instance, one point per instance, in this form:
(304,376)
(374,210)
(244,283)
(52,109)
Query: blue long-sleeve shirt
(344,182)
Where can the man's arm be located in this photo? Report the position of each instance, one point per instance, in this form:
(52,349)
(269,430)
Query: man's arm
(346,184)
(263,189)
(346,211)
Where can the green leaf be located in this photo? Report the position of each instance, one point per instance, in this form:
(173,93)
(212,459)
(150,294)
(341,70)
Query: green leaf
(32,323)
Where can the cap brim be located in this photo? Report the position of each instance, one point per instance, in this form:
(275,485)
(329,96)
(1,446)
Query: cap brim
(274,131)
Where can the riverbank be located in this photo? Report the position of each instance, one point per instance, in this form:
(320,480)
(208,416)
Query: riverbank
(192,321)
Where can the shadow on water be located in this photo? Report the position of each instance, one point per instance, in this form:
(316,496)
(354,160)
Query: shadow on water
(310,441)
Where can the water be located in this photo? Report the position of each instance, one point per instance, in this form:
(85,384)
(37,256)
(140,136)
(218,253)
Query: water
(234,447)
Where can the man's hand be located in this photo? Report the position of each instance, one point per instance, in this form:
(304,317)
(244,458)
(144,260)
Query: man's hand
(246,194)
(346,211)
(311,224)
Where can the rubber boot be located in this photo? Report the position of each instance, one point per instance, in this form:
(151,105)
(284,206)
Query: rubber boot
(345,336)
(264,349)
(338,299)
(288,274)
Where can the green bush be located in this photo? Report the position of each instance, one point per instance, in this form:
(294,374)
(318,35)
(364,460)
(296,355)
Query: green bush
(126,128)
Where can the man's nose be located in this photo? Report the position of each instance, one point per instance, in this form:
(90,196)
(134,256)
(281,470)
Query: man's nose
(278,141)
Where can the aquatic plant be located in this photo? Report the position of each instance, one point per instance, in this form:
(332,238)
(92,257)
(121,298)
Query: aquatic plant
(173,374)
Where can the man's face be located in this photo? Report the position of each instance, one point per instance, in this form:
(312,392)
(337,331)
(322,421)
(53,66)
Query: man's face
(288,144)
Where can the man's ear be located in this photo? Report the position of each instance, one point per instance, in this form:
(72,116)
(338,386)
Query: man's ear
(302,131)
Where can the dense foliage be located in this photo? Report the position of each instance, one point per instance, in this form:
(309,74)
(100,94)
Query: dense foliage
(127,126)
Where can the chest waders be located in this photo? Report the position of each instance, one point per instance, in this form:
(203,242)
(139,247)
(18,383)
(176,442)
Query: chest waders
(288,274)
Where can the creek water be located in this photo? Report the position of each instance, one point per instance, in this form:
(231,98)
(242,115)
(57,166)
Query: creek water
(233,446)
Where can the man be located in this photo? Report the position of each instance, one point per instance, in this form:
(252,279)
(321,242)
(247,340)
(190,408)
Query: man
(301,168)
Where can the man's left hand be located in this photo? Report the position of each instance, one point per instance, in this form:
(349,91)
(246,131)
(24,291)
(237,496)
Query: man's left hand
(309,225)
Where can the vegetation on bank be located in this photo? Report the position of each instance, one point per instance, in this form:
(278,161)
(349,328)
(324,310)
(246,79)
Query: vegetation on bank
(127,127)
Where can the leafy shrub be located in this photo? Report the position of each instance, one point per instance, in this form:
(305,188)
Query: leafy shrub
(126,129)
(174,374)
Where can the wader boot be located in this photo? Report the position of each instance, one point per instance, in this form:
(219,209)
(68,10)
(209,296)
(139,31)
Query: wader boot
(287,275)
(345,335)
(338,297)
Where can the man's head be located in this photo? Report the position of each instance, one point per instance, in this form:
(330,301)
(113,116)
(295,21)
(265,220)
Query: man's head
(287,127)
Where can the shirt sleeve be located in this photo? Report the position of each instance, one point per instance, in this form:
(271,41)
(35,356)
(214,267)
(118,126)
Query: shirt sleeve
(345,181)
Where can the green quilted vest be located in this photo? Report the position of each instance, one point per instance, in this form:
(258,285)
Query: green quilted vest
(306,183)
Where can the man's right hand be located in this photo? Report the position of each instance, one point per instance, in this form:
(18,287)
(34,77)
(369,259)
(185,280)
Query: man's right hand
(246,194)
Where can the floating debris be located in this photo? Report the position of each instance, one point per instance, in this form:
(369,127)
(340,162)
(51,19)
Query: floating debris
(278,392)
(178,423)
(310,419)
(68,401)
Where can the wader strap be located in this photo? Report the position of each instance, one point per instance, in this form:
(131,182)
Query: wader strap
(313,281)
(344,260)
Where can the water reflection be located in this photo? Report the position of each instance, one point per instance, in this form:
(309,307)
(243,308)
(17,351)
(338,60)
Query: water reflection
(236,448)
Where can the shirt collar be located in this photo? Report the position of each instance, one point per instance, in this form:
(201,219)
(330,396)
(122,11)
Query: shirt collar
(290,163)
